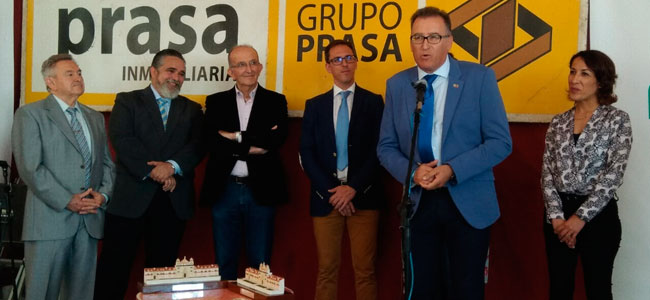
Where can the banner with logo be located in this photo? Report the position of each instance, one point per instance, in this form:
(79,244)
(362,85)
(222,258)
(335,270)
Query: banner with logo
(527,42)
(114,42)
(379,31)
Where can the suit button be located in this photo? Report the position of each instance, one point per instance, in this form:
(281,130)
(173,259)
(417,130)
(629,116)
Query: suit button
(334,154)
(81,188)
(82,166)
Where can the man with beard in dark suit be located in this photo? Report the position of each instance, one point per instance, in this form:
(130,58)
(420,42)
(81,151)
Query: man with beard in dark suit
(157,136)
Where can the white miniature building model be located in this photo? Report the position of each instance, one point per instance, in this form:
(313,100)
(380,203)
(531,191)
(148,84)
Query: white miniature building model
(183,272)
(262,280)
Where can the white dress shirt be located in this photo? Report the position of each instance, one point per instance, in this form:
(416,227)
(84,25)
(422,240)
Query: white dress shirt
(244,107)
(440,96)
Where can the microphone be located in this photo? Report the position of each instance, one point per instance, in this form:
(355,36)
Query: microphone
(420,84)
(420,87)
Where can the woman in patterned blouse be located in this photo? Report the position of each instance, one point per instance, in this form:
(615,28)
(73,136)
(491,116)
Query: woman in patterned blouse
(586,153)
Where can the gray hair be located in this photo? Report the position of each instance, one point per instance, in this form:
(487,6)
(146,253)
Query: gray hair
(48,64)
(47,69)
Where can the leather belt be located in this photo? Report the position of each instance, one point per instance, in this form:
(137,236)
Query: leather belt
(239,180)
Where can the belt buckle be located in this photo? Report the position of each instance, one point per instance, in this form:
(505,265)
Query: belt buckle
(239,180)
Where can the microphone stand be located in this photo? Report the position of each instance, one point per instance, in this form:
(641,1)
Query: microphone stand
(406,204)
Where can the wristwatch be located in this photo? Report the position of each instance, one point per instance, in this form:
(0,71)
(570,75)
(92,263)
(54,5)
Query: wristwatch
(238,136)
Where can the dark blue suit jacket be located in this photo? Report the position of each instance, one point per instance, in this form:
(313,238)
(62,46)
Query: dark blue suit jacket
(318,149)
(138,136)
(475,136)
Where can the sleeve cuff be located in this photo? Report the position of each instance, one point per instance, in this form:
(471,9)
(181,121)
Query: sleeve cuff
(583,217)
(555,216)
(105,198)
(412,183)
(177,168)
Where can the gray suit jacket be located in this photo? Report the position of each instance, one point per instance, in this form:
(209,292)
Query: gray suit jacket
(50,163)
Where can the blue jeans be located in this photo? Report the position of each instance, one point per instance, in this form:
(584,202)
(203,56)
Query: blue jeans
(236,211)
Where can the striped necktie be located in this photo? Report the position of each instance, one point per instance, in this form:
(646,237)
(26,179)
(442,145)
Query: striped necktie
(163,106)
(81,141)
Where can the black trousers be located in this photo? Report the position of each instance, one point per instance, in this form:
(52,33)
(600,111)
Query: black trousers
(596,244)
(161,231)
(448,254)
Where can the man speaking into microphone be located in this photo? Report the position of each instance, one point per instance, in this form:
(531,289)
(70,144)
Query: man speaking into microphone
(463,134)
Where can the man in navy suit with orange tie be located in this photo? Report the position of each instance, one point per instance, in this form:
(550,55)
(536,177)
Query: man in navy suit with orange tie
(337,147)
(462,136)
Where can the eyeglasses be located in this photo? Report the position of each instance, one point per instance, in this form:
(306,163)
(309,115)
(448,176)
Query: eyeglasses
(252,64)
(339,60)
(433,38)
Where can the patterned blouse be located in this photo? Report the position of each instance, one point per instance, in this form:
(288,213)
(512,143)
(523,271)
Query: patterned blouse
(593,166)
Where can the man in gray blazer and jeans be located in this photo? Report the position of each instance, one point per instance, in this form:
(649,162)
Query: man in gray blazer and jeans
(61,152)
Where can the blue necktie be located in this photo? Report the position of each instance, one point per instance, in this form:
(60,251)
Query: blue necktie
(164,112)
(81,141)
(342,125)
(426,124)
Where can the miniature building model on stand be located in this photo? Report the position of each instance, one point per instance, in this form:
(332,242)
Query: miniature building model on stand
(262,281)
(183,272)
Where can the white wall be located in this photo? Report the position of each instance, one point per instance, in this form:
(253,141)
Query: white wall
(620,29)
(7,79)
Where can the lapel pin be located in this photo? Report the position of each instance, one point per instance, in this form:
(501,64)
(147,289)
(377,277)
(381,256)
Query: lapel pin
(456,85)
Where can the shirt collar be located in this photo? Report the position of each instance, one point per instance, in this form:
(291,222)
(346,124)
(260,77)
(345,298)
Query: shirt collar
(442,71)
(252,93)
(64,106)
(337,89)
(156,95)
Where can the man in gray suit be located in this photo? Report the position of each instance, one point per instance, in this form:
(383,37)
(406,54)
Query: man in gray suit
(61,152)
